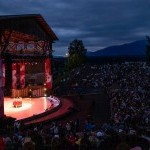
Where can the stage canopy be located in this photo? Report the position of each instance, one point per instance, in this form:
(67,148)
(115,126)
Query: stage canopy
(24,28)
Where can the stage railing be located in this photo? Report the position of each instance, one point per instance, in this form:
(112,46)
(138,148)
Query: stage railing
(38,92)
(20,92)
(29,92)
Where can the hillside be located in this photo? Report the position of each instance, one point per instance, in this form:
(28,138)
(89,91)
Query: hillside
(133,48)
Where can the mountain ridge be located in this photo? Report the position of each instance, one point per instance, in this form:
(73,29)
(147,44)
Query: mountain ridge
(133,48)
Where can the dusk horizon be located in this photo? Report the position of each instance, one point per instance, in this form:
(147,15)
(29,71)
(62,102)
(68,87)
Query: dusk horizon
(98,23)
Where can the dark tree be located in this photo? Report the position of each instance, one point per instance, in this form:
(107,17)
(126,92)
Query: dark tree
(76,54)
(148,50)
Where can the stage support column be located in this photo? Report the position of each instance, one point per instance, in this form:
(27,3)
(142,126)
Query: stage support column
(48,75)
(8,74)
(22,75)
(1,91)
(3,70)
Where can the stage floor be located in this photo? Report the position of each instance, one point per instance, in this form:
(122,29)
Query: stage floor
(30,107)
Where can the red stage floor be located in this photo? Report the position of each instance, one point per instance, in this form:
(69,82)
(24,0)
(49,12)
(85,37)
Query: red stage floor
(30,107)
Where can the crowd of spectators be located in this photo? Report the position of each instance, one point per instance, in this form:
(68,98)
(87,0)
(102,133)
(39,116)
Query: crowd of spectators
(69,136)
(127,85)
(130,101)
(93,76)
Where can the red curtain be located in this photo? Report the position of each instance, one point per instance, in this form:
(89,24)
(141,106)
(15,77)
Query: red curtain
(22,75)
(48,76)
(14,75)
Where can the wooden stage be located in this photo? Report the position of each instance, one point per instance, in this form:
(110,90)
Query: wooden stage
(37,110)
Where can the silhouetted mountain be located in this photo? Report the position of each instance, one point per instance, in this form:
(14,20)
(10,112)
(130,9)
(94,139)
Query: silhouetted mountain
(134,49)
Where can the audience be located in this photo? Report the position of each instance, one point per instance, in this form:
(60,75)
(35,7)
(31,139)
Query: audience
(127,85)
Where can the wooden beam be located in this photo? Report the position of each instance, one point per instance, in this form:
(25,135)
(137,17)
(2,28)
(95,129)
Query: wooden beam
(18,36)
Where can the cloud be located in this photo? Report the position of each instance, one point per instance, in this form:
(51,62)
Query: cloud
(98,23)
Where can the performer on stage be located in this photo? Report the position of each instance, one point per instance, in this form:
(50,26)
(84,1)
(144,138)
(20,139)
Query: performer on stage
(17,102)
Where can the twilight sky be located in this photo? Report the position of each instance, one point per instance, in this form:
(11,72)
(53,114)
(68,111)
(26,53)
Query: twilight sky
(98,23)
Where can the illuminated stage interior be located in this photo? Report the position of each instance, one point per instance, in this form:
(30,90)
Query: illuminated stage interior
(30,107)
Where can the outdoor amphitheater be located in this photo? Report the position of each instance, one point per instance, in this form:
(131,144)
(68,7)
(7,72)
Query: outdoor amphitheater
(103,106)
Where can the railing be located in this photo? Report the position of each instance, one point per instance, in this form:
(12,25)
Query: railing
(20,92)
(29,92)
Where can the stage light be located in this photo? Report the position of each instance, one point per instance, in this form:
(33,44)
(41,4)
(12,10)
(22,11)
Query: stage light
(45,89)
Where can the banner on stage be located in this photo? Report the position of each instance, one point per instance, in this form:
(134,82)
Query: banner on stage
(48,76)
(14,76)
(22,75)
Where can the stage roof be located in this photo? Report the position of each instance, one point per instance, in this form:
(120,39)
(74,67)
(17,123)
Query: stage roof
(33,25)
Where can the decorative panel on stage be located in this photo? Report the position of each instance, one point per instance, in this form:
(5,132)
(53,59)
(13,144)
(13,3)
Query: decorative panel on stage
(48,76)
(22,75)
(14,76)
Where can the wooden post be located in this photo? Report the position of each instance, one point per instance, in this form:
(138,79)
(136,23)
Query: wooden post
(1,91)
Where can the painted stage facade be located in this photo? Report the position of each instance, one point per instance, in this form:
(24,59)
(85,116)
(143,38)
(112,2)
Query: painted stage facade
(26,57)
